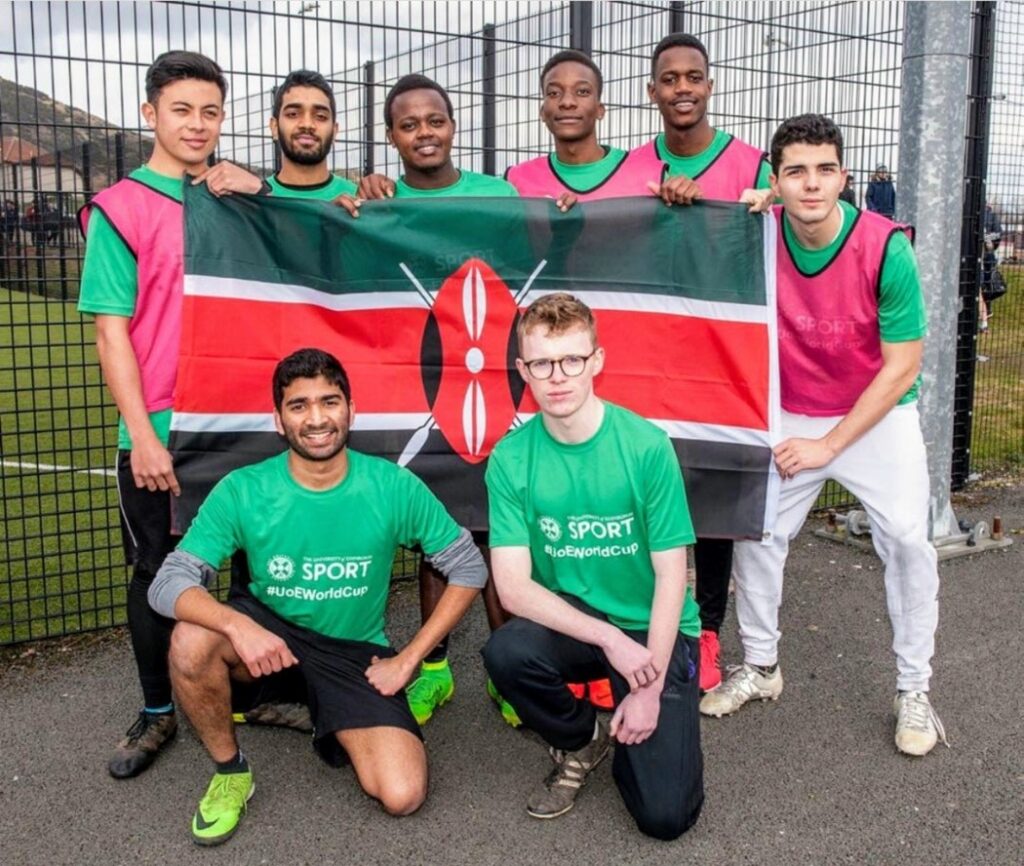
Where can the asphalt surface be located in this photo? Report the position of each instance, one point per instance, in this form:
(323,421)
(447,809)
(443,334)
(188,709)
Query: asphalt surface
(813,778)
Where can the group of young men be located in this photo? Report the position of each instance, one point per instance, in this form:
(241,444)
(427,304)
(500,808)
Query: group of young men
(622,631)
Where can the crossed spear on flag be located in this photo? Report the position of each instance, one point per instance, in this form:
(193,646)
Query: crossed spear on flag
(474,292)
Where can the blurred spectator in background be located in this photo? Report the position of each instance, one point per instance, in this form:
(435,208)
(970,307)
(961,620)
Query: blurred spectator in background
(9,224)
(849,194)
(881,194)
(993,286)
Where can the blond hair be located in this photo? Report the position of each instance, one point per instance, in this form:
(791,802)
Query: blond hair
(557,313)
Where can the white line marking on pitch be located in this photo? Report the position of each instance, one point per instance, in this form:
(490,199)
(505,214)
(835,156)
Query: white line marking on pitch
(46,467)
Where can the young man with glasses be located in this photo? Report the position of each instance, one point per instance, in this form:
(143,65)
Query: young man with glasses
(589,527)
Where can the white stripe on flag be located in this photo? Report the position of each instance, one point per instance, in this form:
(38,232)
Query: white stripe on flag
(201,285)
(198,422)
(701,432)
(672,305)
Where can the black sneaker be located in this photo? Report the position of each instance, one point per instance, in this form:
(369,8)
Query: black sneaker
(144,739)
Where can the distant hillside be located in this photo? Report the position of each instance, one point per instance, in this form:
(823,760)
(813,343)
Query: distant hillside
(60,129)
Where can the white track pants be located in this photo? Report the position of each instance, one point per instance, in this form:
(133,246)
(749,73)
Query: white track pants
(886,470)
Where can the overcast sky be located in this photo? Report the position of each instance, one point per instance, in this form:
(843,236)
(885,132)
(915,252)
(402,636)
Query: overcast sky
(815,55)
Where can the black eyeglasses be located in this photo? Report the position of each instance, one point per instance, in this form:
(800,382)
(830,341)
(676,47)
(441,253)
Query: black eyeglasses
(570,365)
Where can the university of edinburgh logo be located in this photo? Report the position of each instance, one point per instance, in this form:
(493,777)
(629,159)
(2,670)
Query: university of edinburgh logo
(280,567)
(549,526)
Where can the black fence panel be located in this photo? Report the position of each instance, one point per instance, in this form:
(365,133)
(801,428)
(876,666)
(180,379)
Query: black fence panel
(989,435)
(70,86)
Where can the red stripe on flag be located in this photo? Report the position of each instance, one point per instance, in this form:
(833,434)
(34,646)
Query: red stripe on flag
(230,348)
(683,368)
(686,369)
(660,366)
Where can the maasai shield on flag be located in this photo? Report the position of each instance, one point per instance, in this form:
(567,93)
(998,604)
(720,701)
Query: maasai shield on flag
(419,300)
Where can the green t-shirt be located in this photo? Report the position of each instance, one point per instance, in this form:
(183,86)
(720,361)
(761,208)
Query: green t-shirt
(110,280)
(321,559)
(470,183)
(691,166)
(901,313)
(584,178)
(329,190)
(592,513)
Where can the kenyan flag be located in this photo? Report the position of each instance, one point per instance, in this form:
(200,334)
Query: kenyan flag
(419,300)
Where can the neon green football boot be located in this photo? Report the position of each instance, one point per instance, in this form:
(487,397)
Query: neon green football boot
(508,712)
(222,807)
(433,688)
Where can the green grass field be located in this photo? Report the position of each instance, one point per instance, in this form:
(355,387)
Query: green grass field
(998,433)
(62,569)
(61,566)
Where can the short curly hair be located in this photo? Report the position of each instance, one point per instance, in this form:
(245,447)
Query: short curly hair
(557,313)
(805,129)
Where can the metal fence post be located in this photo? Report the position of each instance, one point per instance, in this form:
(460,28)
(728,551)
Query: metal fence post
(972,236)
(87,171)
(936,64)
(118,155)
(368,124)
(581,26)
(676,17)
(489,91)
(62,262)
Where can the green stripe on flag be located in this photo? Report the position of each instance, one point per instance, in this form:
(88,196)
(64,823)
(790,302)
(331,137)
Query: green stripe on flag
(708,252)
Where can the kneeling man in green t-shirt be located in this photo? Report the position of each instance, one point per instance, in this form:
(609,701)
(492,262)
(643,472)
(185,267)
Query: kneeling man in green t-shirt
(589,527)
(320,525)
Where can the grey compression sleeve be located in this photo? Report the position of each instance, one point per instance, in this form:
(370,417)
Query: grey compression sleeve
(179,572)
(461,562)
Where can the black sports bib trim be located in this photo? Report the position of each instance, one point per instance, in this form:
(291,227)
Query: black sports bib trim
(828,264)
(304,186)
(110,222)
(157,191)
(896,229)
(568,186)
(706,168)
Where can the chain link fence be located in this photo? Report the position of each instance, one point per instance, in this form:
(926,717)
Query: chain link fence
(70,86)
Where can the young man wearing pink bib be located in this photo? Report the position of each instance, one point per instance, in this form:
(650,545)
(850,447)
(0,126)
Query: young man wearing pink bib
(851,325)
(580,169)
(132,285)
(701,162)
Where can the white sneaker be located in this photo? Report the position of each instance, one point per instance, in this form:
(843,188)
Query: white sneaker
(918,727)
(744,684)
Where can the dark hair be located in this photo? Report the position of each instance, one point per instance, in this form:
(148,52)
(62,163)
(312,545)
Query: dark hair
(571,55)
(678,40)
(308,364)
(179,66)
(414,82)
(805,129)
(303,78)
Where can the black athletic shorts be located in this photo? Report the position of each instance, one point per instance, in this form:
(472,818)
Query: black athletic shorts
(340,696)
(145,519)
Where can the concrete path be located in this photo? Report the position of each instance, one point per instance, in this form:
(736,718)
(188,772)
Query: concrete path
(813,778)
